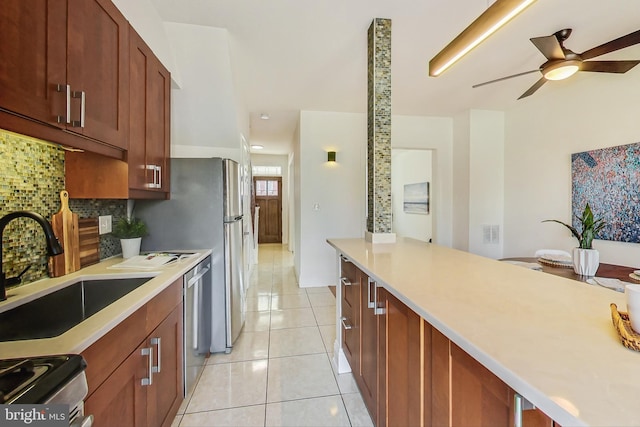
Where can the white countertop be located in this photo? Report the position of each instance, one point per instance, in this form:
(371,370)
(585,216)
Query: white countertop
(549,338)
(81,336)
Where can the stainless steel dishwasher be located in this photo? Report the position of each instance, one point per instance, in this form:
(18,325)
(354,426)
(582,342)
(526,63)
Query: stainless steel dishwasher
(197,322)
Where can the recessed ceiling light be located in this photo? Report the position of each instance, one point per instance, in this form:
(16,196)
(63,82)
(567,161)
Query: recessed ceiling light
(257,147)
(264,116)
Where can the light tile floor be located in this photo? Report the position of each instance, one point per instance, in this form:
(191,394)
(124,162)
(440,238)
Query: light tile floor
(279,372)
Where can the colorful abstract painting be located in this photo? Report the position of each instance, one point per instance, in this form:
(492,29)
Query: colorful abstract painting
(609,180)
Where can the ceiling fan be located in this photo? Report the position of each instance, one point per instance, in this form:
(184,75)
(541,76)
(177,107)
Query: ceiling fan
(562,62)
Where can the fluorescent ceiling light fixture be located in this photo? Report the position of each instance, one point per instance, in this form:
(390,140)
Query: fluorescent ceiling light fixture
(561,70)
(498,14)
(257,147)
(264,116)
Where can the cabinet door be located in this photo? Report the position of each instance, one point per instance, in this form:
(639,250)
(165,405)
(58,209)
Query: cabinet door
(98,66)
(351,314)
(149,119)
(399,397)
(158,122)
(478,397)
(368,376)
(33,58)
(165,394)
(122,399)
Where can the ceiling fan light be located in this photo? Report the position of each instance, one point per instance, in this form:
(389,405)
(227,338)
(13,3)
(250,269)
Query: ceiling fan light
(497,15)
(561,71)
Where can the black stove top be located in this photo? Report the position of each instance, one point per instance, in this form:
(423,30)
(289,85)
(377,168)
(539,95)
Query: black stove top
(35,379)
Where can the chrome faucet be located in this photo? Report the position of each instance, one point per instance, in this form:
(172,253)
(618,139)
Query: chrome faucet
(53,246)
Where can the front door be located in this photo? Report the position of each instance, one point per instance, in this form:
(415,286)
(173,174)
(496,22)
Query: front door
(269,198)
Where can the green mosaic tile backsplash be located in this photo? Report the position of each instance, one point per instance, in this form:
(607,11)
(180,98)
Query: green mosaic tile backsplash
(32,176)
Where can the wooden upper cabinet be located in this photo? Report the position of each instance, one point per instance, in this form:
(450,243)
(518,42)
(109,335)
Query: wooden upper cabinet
(98,69)
(149,123)
(65,63)
(33,58)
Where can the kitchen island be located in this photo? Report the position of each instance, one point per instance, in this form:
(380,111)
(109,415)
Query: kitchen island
(550,339)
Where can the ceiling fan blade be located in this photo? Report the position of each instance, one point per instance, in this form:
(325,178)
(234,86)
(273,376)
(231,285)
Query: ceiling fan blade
(608,66)
(613,45)
(549,46)
(504,78)
(534,88)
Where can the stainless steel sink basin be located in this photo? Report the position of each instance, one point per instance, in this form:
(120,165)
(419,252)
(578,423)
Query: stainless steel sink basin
(55,313)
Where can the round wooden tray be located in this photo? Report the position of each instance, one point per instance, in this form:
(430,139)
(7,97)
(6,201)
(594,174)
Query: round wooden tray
(628,337)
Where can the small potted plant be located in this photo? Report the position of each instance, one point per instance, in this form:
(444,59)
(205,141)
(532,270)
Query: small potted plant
(130,231)
(585,259)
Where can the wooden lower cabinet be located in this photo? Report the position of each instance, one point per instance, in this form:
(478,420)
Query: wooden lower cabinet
(350,318)
(115,372)
(121,400)
(367,377)
(164,396)
(400,364)
(409,373)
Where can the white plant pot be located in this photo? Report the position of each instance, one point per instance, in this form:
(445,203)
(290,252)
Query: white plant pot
(586,261)
(130,247)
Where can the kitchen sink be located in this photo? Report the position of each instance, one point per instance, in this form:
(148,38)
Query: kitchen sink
(55,313)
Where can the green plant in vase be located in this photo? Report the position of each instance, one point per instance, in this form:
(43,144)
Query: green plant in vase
(130,231)
(585,259)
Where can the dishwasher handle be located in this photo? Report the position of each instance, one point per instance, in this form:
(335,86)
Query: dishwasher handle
(198,276)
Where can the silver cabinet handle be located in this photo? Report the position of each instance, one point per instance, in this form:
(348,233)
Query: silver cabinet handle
(159,182)
(84,421)
(376,310)
(517,410)
(344,258)
(67,89)
(157,341)
(370,304)
(151,168)
(344,324)
(83,101)
(345,281)
(148,351)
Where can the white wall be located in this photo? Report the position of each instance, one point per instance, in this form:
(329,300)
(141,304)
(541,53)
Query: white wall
(204,112)
(410,167)
(338,190)
(486,180)
(434,133)
(283,162)
(145,19)
(461,147)
(593,111)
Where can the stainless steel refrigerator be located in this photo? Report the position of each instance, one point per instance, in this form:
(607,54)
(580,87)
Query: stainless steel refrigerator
(205,212)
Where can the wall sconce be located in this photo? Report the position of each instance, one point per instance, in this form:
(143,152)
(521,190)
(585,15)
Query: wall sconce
(498,14)
(331,156)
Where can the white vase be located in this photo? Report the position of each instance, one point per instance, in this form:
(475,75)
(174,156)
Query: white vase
(586,261)
(130,247)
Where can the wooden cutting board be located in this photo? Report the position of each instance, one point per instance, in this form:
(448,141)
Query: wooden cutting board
(65,227)
(89,241)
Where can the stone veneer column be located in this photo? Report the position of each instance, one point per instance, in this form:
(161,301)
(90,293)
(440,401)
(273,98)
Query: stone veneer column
(379,132)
